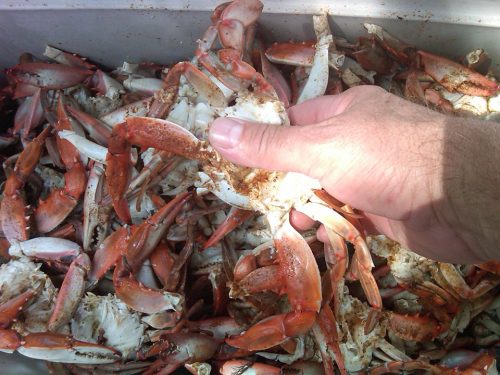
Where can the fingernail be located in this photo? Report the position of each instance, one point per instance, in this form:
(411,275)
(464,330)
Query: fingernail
(225,132)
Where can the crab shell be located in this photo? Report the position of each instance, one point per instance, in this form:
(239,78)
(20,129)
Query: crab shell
(269,192)
(108,317)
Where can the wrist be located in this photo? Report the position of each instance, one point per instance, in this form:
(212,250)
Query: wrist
(471,183)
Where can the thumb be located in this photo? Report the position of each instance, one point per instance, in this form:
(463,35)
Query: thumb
(263,146)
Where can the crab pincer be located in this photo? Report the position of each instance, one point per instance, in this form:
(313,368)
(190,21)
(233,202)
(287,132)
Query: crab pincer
(12,208)
(48,76)
(59,204)
(456,77)
(303,288)
(70,293)
(56,348)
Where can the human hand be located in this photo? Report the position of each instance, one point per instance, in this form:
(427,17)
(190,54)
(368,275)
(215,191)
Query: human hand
(376,152)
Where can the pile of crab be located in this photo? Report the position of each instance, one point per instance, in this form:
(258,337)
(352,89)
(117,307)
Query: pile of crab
(130,245)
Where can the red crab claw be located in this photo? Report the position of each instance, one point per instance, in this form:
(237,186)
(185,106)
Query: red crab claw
(98,130)
(46,248)
(12,208)
(290,53)
(275,78)
(52,212)
(414,328)
(29,114)
(402,51)
(303,288)
(144,132)
(48,76)
(372,57)
(162,260)
(70,293)
(232,19)
(108,254)
(11,308)
(148,235)
(268,278)
(141,298)
(175,349)
(234,219)
(67,58)
(456,77)
(62,348)
(492,266)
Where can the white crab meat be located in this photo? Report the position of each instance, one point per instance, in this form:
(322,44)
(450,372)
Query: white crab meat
(356,346)
(406,266)
(108,317)
(19,275)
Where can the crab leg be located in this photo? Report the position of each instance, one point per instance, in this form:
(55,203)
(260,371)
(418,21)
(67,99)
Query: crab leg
(12,208)
(167,96)
(51,212)
(458,284)
(325,334)
(345,229)
(66,58)
(234,219)
(301,274)
(56,348)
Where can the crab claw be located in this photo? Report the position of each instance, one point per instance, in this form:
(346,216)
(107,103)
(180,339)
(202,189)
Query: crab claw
(12,208)
(456,77)
(144,132)
(148,234)
(62,348)
(108,254)
(303,288)
(141,298)
(46,248)
(48,76)
(175,349)
(11,308)
(59,204)
(70,293)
